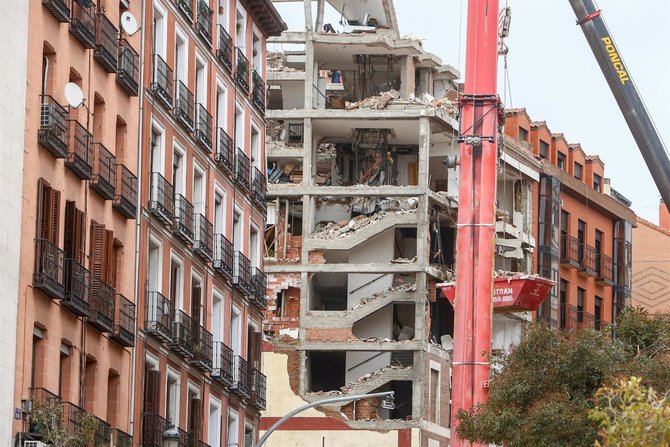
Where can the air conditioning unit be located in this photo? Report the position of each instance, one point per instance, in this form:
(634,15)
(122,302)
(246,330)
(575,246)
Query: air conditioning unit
(34,444)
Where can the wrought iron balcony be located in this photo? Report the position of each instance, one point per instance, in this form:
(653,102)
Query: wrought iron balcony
(182,226)
(59,8)
(224,52)
(183,335)
(186,7)
(588,265)
(106,43)
(225,156)
(223,256)
(153,428)
(258,95)
(80,151)
(128,68)
(54,133)
(124,321)
(121,438)
(574,318)
(203,24)
(202,358)
(242,273)
(159,317)
(605,269)
(161,204)
(49,265)
(259,284)
(102,437)
(39,396)
(570,251)
(125,192)
(242,71)
(241,378)
(102,301)
(162,82)
(77,288)
(258,388)
(242,167)
(203,127)
(82,24)
(71,417)
(223,363)
(104,171)
(183,105)
(258,188)
(203,243)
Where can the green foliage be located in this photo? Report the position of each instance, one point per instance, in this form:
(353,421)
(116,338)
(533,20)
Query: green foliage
(543,390)
(47,417)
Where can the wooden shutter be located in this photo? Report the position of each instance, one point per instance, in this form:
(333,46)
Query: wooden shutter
(96,261)
(152,381)
(54,217)
(80,235)
(69,229)
(196,299)
(75,234)
(43,207)
(109,266)
(194,417)
(258,344)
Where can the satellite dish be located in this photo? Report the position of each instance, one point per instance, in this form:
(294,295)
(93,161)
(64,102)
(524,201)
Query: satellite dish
(129,23)
(73,95)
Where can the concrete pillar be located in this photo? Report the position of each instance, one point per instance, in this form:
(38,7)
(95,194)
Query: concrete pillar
(419,356)
(424,151)
(320,7)
(309,72)
(426,80)
(407,76)
(308,15)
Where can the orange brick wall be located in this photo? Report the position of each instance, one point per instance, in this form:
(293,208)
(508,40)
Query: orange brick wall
(651,266)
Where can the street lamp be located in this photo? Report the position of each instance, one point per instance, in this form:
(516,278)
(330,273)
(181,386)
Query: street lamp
(387,403)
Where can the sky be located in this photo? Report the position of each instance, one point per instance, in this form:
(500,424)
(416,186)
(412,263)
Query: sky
(553,74)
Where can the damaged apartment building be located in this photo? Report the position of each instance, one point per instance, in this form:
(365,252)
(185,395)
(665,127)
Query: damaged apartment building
(361,228)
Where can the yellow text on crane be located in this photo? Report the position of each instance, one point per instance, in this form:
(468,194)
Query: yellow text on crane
(616,60)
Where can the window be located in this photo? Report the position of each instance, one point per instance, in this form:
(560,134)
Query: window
(152,380)
(181,58)
(154,268)
(597,183)
(235,331)
(257,60)
(120,142)
(599,249)
(223,14)
(48,69)
(75,233)
(217,317)
(598,310)
(157,149)
(172,397)
(200,82)
(176,289)
(199,191)
(239,127)
(248,436)
(253,247)
(579,171)
(581,238)
(104,254)
(90,383)
(196,301)
(113,407)
(254,345)
(240,28)
(565,222)
(563,296)
(160,31)
(580,304)
(38,359)
(523,134)
(232,428)
(255,148)
(219,213)
(221,108)
(434,395)
(98,117)
(214,434)
(560,160)
(193,410)
(65,371)
(237,231)
(178,178)
(48,212)
(544,150)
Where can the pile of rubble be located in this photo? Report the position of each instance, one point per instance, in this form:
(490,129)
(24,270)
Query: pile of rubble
(409,287)
(509,276)
(449,103)
(345,228)
(360,381)
(276,62)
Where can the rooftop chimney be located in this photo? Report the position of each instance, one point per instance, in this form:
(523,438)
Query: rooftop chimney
(607,186)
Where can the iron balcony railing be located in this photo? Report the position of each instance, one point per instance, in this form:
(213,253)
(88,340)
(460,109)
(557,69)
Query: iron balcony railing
(225,156)
(203,243)
(59,8)
(161,202)
(71,416)
(258,188)
(258,94)
(48,276)
(241,383)
(588,265)
(605,270)
(54,132)
(106,43)
(570,251)
(125,192)
(128,68)
(153,429)
(104,171)
(77,288)
(82,24)
(183,219)
(183,335)
(258,389)
(203,351)
(80,151)
(203,24)
(259,284)
(574,318)
(102,437)
(121,438)
(124,321)
(43,397)
(162,83)
(186,7)
(103,300)
(185,438)
(203,127)
(223,364)
(223,256)
(242,71)
(242,273)
(159,316)
(224,52)
(242,166)
(183,105)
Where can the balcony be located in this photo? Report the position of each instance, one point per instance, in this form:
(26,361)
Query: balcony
(183,335)
(241,383)
(59,8)
(82,24)
(124,322)
(182,226)
(54,130)
(223,362)
(224,52)
(242,166)
(588,266)
(258,386)
(258,188)
(102,299)
(575,319)
(570,251)
(223,256)
(258,94)
(224,156)
(242,71)
(161,204)
(186,8)
(259,284)
(102,437)
(203,127)
(203,24)
(183,105)
(162,83)
(77,283)
(605,270)
(106,43)
(71,417)
(159,317)
(153,428)
(121,438)
(48,276)
(80,151)
(104,171)
(242,273)
(125,192)
(39,397)
(204,238)
(202,358)
(128,68)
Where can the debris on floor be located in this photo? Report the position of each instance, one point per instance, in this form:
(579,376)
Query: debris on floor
(334,230)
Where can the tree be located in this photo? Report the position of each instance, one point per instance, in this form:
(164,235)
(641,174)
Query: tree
(47,416)
(541,393)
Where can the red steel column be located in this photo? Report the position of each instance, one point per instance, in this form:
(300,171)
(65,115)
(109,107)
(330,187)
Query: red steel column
(476,212)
